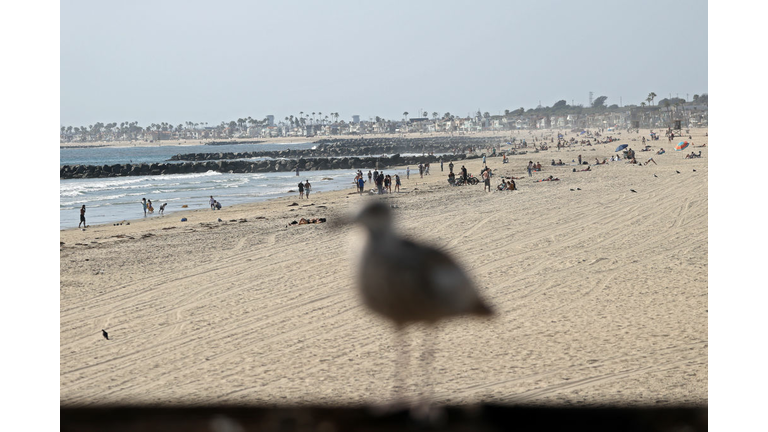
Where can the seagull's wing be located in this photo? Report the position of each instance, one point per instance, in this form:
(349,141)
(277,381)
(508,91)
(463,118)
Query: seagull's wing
(443,283)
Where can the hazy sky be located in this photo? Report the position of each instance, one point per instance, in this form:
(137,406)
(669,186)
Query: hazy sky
(178,61)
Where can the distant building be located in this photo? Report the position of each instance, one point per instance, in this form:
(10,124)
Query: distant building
(355,119)
(270,120)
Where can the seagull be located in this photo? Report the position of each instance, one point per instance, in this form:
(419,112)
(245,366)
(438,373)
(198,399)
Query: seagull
(104,333)
(632,190)
(409,283)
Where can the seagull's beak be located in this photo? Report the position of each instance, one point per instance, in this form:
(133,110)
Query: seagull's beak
(341,222)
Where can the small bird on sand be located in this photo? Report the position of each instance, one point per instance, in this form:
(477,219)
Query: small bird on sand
(655,175)
(409,283)
(632,190)
(105,334)
(677,171)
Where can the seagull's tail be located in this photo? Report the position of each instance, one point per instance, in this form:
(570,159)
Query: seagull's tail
(482,309)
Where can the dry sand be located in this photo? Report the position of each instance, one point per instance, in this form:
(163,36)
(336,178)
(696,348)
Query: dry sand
(601,294)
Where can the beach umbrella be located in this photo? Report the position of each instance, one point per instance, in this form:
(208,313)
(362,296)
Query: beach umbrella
(621,147)
(681,145)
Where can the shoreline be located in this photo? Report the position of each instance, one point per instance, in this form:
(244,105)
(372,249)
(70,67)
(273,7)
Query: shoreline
(493,162)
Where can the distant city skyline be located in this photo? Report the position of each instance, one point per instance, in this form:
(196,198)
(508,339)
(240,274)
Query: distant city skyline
(189,61)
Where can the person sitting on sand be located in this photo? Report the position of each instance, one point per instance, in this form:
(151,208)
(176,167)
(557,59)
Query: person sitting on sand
(452,179)
(511,185)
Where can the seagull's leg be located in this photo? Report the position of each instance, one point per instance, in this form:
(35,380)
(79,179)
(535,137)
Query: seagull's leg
(429,356)
(401,365)
(424,410)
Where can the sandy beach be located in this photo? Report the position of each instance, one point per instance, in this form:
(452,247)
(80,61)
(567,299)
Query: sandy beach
(601,293)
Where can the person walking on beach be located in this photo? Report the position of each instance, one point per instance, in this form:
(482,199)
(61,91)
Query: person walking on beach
(369,176)
(408,173)
(579,159)
(380,183)
(360,185)
(301,190)
(297,170)
(487,179)
(421,170)
(530,168)
(212,202)
(82,217)
(397,183)
(150,209)
(464,173)
(144,205)
(441,164)
(450,167)
(307,188)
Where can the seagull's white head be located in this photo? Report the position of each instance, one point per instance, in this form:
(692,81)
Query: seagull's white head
(376,217)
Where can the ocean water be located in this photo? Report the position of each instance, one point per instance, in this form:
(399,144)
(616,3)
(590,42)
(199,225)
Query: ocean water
(111,200)
(123,155)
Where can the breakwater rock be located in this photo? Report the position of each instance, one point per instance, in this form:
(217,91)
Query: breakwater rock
(232,142)
(242,166)
(359,147)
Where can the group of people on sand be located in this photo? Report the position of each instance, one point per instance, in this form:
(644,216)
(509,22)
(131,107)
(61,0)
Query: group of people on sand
(693,155)
(533,167)
(304,189)
(147,206)
(215,205)
(383,182)
(507,184)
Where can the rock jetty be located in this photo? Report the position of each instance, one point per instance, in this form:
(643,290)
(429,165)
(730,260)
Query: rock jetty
(244,166)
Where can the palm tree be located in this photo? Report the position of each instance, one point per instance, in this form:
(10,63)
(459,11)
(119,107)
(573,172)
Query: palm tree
(642,104)
(405,115)
(651,97)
